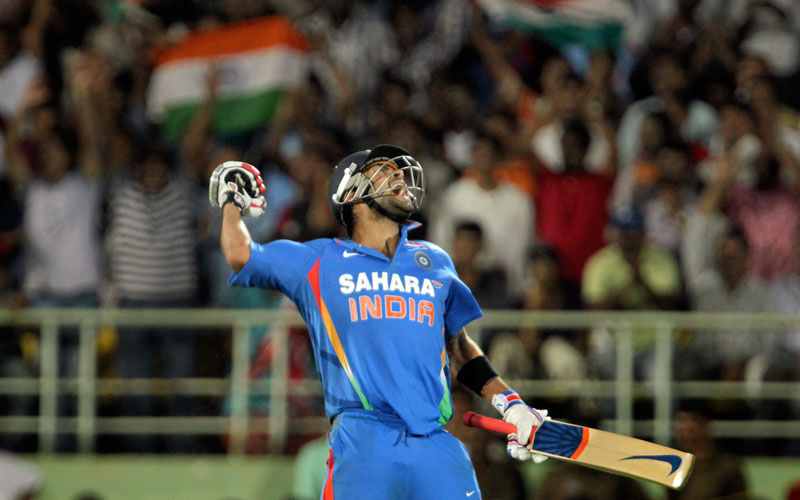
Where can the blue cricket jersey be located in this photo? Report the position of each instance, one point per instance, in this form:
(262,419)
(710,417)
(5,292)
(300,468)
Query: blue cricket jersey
(378,325)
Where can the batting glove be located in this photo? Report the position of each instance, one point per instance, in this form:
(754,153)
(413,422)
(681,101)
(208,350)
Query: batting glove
(238,183)
(525,418)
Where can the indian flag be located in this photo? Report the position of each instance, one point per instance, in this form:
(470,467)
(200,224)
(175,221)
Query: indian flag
(258,61)
(595,24)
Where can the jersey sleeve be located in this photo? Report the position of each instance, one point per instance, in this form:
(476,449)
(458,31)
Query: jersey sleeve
(460,305)
(280,265)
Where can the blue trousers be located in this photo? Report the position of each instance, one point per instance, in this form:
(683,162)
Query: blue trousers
(373,456)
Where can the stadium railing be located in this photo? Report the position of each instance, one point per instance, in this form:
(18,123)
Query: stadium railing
(624,389)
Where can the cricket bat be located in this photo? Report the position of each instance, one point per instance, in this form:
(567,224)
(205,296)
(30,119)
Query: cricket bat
(601,450)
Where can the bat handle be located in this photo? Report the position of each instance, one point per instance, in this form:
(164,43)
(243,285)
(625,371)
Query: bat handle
(472,419)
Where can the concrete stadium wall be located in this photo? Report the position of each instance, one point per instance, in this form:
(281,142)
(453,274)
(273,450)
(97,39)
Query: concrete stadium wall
(270,478)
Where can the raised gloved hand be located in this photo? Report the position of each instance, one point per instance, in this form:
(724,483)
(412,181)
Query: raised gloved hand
(238,183)
(516,412)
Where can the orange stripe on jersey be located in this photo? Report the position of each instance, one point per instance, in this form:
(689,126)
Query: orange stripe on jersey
(330,329)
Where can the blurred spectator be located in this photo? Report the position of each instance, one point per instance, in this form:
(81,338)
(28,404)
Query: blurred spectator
(716,474)
(515,165)
(672,197)
(534,353)
(719,278)
(755,171)
(564,482)
(62,235)
(354,38)
(310,216)
(459,109)
(571,208)
(668,79)
(153,263)
(488,285)
(631,273)
(636,180)
(18,70)
(58,178)
(503,211)
(547,140)
(427,36)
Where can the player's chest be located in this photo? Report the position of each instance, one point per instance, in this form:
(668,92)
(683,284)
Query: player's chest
(407,288)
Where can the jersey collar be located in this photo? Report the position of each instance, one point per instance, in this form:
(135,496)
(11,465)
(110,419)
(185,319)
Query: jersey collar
(405,227)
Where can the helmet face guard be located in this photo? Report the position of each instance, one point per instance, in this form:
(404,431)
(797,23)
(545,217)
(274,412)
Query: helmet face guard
(357,186)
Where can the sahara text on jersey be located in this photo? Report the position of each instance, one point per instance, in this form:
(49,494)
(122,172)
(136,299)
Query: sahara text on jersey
(389,306)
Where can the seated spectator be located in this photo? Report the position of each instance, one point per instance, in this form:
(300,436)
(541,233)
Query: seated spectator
(756,171)
(721,473)
(534,353)
(631,273)
(488,285)
(504,212)
(719,278)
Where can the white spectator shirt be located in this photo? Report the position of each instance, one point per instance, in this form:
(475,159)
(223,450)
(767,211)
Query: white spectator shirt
(505,214)
(709,293)
(62,236)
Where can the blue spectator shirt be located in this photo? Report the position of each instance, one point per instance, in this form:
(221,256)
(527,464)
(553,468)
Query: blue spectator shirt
(378,325)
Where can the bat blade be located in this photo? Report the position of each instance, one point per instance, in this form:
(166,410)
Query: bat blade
(603,450)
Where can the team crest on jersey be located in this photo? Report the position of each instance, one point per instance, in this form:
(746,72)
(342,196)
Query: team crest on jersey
(422,260)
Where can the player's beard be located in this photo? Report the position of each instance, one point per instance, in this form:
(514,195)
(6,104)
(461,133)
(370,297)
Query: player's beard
(393,207)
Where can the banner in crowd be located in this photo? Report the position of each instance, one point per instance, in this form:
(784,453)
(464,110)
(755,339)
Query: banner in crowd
(595,24)
(257,62)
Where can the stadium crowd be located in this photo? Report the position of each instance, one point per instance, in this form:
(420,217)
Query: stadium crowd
(656,172)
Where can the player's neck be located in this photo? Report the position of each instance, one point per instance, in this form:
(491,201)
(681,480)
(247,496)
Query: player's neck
(379,233)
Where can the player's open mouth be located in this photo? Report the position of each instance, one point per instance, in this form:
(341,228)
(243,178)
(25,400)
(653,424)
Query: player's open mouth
(400,189)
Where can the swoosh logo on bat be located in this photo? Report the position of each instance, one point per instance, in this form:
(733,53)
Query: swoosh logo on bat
(673,460)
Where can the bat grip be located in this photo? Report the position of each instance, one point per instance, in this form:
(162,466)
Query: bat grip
(472,419)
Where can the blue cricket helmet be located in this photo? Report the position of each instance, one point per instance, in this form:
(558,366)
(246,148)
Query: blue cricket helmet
(348,184)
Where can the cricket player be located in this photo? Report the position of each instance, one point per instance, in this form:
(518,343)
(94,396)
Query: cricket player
(387,319)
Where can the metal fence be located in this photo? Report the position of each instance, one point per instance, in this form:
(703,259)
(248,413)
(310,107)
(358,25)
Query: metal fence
(623,388)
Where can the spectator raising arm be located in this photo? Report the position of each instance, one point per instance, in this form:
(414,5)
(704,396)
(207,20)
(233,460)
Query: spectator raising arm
(198,132)
(19,167)
(89,81)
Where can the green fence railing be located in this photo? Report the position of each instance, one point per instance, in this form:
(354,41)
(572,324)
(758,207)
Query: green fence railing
(624,389)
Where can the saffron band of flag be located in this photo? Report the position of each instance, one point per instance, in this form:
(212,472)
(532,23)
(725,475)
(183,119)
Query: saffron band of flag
(257,62)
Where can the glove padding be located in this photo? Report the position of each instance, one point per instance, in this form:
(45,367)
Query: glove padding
(522,453)
(238,183)
(525,418)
